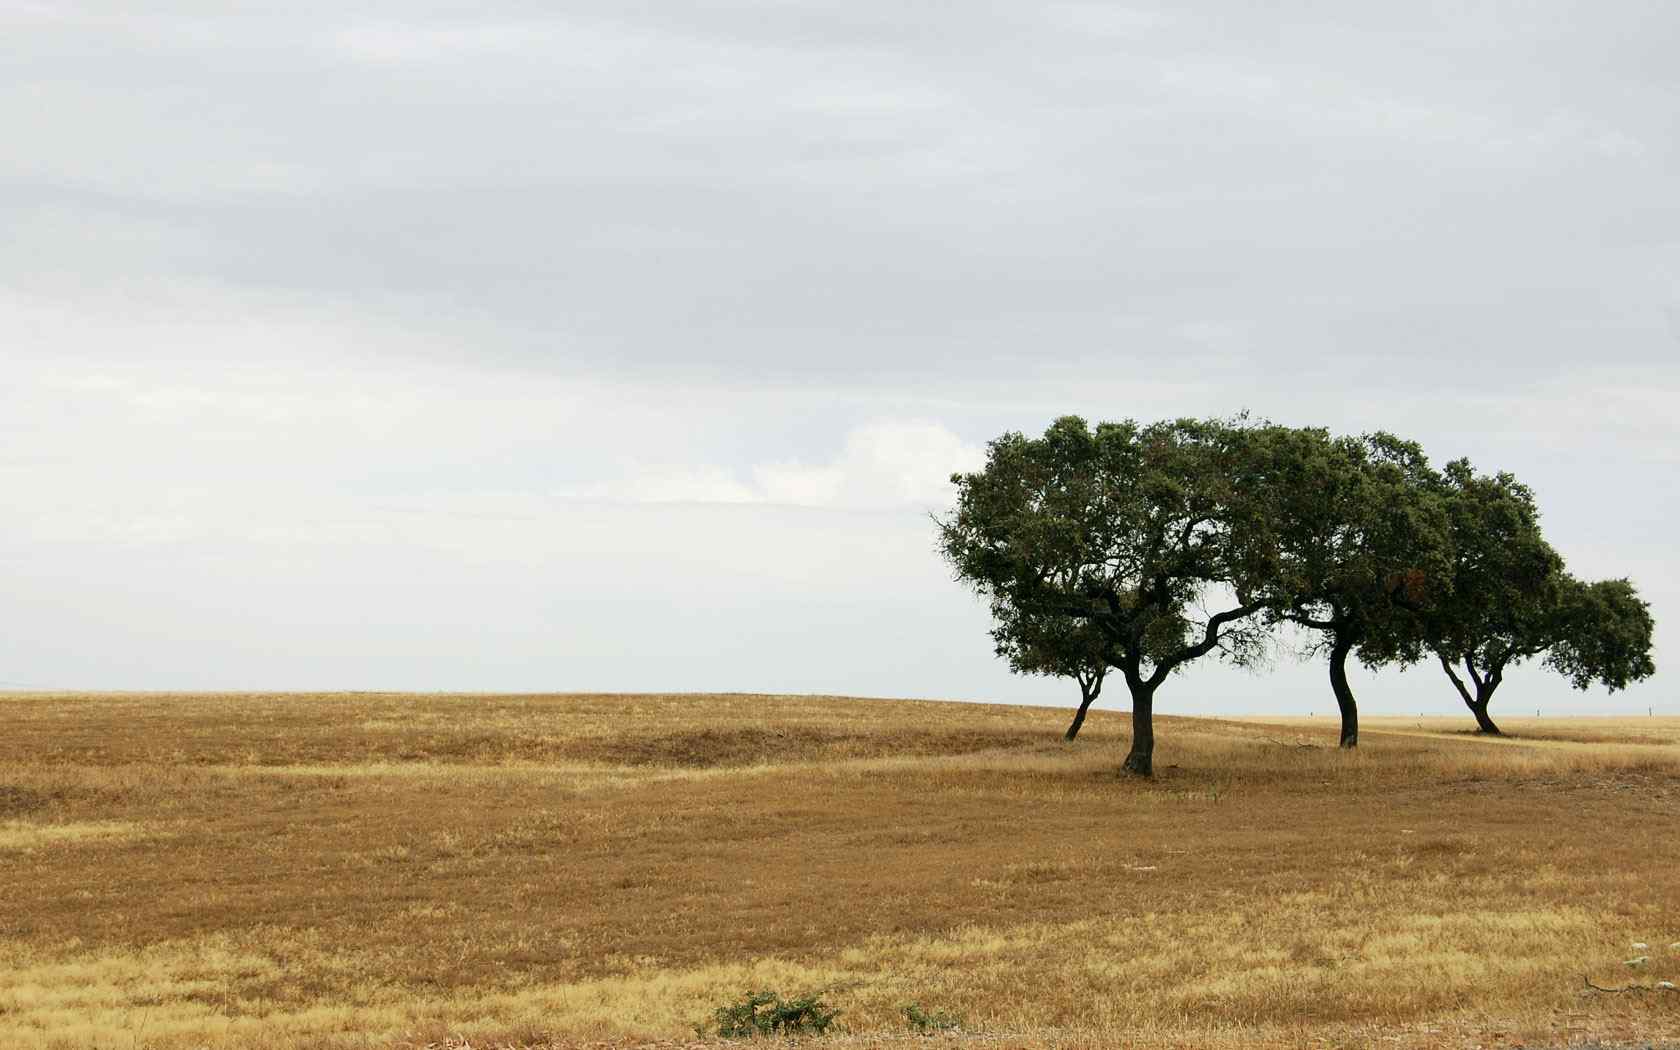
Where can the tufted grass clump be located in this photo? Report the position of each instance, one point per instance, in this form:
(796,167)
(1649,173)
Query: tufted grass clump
(925,1023)
(767,1013)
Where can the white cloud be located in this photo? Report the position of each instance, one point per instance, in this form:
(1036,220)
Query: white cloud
(886,463)
(882,465)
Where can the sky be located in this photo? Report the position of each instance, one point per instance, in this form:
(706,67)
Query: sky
(629,346)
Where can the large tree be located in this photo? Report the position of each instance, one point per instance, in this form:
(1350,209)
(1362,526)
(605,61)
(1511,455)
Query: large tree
(1132,529)
(1512,600)
(1361,536)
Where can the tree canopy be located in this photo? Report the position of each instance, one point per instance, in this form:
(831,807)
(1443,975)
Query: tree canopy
(1513,600)
(1128,528)
(1144,547)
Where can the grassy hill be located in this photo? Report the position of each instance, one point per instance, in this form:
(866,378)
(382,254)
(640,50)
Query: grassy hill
(385,870)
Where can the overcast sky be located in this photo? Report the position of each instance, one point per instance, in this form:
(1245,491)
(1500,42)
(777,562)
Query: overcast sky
(627,346)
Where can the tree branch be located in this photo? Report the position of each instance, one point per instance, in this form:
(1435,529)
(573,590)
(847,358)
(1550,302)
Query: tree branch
(1318,625)
(1470,666)
(1446,665)
(1190,527)
(1211,638)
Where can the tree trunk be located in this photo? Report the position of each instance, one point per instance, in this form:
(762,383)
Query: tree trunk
(1089,688)
(1479,708)
(1344,693)
(1485,685)
(1139,760)
(1079,716)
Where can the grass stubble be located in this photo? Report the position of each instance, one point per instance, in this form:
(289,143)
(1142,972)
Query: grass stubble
(352,870)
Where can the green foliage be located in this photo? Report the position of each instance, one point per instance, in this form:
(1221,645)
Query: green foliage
(1059,646)
(1144,547)
(1050,644)
(1506,577)
(1512,599)
(1122,530)
(1603,635)
(767,1013)
(925,1023)
(1360,533)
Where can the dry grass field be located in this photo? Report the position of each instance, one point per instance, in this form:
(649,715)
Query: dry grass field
(388,870)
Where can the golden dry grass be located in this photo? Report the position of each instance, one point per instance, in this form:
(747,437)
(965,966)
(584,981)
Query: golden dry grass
(376,870)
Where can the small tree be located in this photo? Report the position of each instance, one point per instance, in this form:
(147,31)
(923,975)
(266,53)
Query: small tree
(1131,529)
(1062,646)
(1512,600)
(1359,531)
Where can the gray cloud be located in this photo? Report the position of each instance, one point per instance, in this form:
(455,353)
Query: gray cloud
(334,282)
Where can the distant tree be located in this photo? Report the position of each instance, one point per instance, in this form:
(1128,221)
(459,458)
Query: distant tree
(1131,529)
(1511,600)
(1359,530)
(1061,646)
